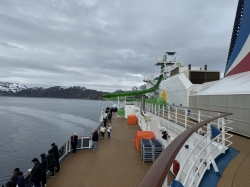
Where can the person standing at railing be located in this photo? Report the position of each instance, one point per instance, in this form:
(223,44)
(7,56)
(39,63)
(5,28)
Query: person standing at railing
(19,174)
(51,162)
(44,163)
(14,178)
(109,117)
(36,173)
(109,130)
(95,139)
(56,153)
(102,130)
(74,138)
(10,184)
(105,120)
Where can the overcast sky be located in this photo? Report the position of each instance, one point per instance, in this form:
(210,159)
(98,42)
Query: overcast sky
(108,44)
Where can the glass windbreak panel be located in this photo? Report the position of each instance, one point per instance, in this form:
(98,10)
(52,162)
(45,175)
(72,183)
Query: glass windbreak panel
(62,151)
(86,142)
(78,143)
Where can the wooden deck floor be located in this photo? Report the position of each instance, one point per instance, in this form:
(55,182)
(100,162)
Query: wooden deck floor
(237,173)
(116,163)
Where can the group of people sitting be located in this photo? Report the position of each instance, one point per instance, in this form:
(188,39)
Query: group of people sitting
(38,173)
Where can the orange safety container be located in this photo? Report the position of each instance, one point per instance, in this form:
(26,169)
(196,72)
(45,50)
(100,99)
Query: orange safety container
(132,119)
(142,135)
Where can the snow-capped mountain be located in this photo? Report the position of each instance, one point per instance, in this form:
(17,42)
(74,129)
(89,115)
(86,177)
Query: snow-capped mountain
(11,87)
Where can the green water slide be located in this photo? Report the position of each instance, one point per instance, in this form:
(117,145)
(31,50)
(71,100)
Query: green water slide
(139,92)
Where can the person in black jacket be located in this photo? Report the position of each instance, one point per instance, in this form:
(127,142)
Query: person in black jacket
(19,174)
(14,178)
(56,154)
(74,138)
(44,163)
(51,162)
(10,184)
(36,173)
(95,139)
(104,121)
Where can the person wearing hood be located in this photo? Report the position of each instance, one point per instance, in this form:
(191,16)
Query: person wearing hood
(36,172)
(51,162)
(74,138)
(19,174)
(44,163)
(56,154)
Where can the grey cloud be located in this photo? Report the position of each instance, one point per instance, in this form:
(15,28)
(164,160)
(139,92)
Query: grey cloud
(98,43)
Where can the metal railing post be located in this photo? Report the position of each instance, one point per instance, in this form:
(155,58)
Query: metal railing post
(66,148)
(223,133)
(82,143)
(168,112)
(159,110)
(208,142)
(163,111)
(69,147)
(199,119)
(191,146)
(218,126)
(155,108)
(175,114)
(185,117)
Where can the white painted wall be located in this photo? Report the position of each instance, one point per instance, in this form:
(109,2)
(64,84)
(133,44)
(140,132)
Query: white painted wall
(177,89)
(129,110)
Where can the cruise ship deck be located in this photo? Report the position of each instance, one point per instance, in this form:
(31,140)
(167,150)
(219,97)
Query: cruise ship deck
(116,162)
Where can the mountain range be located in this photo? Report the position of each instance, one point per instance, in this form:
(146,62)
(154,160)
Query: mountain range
(79,92)
(6,87)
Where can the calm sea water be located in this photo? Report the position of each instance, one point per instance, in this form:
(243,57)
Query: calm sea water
(29,125)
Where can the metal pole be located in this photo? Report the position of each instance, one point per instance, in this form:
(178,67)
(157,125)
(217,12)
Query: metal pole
(208,142)
(163,111)
(175,114)
(168,112)
(185,117)
(199,119)
(223,133)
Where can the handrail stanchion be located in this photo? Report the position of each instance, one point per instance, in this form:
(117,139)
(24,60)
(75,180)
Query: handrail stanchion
(218,126)
(185,117)
(168,112)
(66,148)
(223,133)
(199,119)
(163,111)
(155,109)
(176,115)
(208,141)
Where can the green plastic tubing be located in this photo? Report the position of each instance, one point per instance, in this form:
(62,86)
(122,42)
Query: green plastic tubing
(139,92)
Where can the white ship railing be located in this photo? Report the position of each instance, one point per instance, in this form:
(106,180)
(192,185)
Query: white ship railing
(83,142)
(203,147)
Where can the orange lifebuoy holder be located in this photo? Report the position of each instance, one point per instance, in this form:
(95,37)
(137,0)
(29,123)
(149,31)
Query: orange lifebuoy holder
(132,119)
